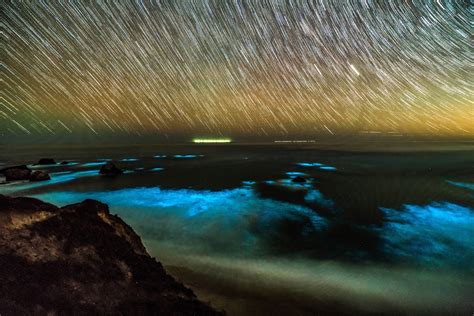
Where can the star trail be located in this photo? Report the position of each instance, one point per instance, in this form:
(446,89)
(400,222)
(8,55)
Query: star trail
(236,68)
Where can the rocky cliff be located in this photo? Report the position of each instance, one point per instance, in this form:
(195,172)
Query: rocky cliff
(80,259)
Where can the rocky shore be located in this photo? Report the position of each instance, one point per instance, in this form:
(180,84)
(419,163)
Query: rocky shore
(80,259)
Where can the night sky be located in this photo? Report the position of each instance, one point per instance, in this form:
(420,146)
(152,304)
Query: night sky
(249,69)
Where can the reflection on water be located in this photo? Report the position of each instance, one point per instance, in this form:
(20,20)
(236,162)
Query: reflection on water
(128,159)
(94,164)
(271,230)
(56,178)
(469,186)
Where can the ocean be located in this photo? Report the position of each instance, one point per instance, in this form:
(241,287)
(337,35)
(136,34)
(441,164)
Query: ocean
(291,229)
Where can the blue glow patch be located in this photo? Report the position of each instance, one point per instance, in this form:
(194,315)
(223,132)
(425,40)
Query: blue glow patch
(139,169)
(157,169)
(248,182)
(71,164)
(159,156)
(315,196)
(64,177)
(289,182)
(104,159)
(93,164)
(185,156)
(227,216)
(464,185)
(439,234)
(329,168)
(295,173)
(129,159)
(309,164)
(42,166)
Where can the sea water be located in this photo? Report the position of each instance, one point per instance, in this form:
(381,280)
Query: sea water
(366,229)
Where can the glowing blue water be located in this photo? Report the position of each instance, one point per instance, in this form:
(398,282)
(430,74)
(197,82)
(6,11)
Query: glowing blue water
(129,159)
(309,164)
(439,234)
(295,173)
(465,185)
(329,168)
(315,196)
(316,164)
(93,164)
(436,234)
(228,216)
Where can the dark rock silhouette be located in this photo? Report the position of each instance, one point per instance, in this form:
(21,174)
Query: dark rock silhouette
(65,163)
(80,259)
(46,161)
(16,173)
(110,169)
(39,176)
(298,179)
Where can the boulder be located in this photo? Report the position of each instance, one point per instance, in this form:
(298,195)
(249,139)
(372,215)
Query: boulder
(46,161)
(16,173)
(298,180)
(82,260)
(65,163)
(3,179)
(110,169)
(39,176)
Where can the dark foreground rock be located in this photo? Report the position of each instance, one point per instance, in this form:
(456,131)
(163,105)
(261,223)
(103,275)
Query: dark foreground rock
(46,161)
(110,169)
(16,173)
(80,259)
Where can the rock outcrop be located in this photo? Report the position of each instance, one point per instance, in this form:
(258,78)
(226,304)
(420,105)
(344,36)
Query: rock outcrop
(80,259)
(39,175)
(16,173)
(46,161)
(22,173)
(298,179)
(110,169)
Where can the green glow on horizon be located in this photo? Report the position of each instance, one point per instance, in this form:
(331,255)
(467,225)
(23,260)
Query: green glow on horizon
(211,140)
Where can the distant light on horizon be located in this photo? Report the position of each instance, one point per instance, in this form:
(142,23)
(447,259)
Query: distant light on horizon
(211,140)
(295,141)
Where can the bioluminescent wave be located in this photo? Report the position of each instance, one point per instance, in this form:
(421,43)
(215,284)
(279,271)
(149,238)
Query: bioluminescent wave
(437,234)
